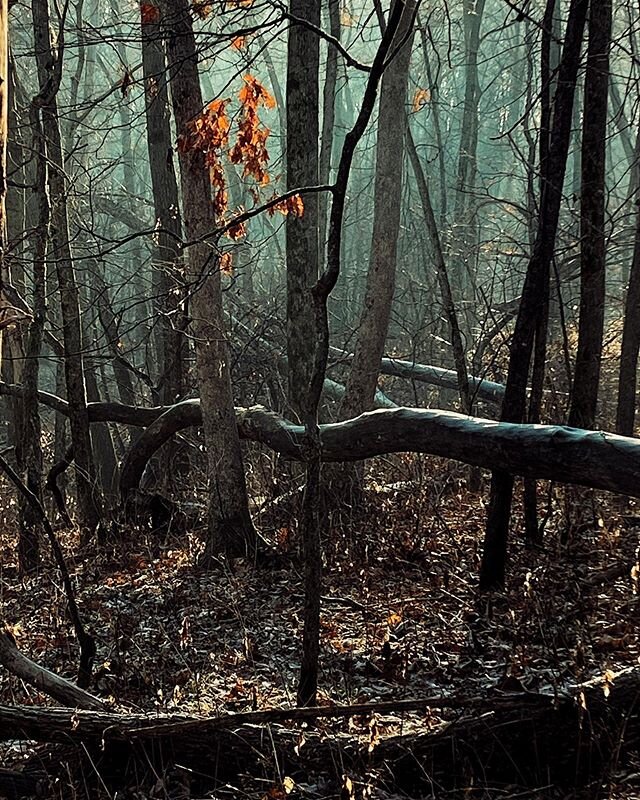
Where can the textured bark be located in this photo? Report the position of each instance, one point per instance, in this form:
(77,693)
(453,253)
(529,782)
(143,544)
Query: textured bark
(303,59)
(170,317)
(29,450)
(567,455)
(43,679)
(627,381)
(561,740)
(328,120)
(513,408)
(596,459)
(374,320)
(548,74)
(230,527)
(49,70)
(4,116)
(463,231)
(592,218)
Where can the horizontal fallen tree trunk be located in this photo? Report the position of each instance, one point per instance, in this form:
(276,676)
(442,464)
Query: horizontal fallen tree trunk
(480,388)
(523,738)
(331,388)
(595,459)
(567,455)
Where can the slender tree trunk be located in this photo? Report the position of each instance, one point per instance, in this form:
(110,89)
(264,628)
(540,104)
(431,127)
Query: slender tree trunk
(492,570)
(312,518)
(303,63)
(548,67)
(463,212)
(49,71)
(627,381)
(230,527)
(440,265)
(328,121)
(378,299)
(584,398)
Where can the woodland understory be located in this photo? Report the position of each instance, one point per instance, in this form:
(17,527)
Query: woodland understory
(401,619)
(319,467)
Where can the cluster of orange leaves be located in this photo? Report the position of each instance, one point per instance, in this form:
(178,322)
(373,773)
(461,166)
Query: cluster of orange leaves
(210,133)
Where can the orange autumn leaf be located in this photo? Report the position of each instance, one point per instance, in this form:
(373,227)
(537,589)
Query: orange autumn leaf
(149,13)
(237,231)
(226,264)
(291,205)
(420,99)
(239,42)
(254,94)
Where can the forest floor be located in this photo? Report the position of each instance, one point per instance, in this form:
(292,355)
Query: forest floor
(401,619)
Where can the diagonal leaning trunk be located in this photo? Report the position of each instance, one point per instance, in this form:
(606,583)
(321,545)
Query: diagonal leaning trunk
(230,527)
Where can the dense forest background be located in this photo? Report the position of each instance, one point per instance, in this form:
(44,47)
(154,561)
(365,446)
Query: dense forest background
(320,327)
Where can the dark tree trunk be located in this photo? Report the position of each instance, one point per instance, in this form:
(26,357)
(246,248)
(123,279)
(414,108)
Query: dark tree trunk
(548,68)
(463,234)
(627,381)
(494,556)
(584,397)
(303,61)
(49,69)
(168,300)
(328,122)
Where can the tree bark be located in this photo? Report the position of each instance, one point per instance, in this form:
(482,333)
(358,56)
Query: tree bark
(49,73)
(168,300)
(463,213)
(524,739)
(592,218)
(43,679)
(303,62)
(378,298)
(494,556)
(230,527)
(627,381)
(328,121)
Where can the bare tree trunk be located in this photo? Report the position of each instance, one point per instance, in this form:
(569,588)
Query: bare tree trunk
(548,68)
(378,299)
(312,518)
(448,303)
(230,527)
(494,555)
(627,381)
(303,61)
(28,450)
(328,121)
(49,71)
(463,213)
(582,413)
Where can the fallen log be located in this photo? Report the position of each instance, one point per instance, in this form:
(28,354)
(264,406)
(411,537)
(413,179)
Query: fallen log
(559,453)
(43,679)
(480,388)
(596,459)
(528,739)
